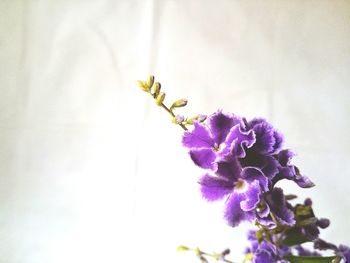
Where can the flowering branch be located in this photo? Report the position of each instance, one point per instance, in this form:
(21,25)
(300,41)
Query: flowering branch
(244,160)
(154,89)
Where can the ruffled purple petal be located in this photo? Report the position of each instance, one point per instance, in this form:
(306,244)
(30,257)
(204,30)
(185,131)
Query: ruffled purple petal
(267,246)
(303,181)
(287,172)
(267,222)
(285,217)
(285,156)
(265,139)
(290,172)
(229,168)
(199,137)
(204,158)
(320,244)
(233,212)
(251,174)
(254,122)
(252,196)
(278,205)
(215,188)
(220,125)
(264,211)
(279,142)
(236,140)
(270,167)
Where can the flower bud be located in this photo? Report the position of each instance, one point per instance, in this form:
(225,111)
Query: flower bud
(302,210)
(201,117)
(150,81)
(178,119)
(225,252)
(160,98)
(323,223)
(203,259)
(308,202)
(191,120)
(182,248)
(143,85)
(179,103)
(290,197)
(156,89)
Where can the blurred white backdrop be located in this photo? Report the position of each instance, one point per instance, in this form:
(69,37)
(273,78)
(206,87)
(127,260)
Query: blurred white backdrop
(92,171)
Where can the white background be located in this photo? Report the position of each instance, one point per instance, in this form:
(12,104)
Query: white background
(92,171)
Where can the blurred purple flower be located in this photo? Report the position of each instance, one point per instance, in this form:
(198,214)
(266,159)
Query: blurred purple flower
(265,252)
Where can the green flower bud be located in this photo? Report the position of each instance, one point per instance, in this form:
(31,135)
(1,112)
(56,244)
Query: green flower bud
(150,81)
(160,98)
(156,88)
(143,85)
(308,221)
(179,103)
(302,210)
(182,248)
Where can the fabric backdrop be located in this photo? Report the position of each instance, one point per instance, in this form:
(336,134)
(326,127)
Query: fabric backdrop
(92,171)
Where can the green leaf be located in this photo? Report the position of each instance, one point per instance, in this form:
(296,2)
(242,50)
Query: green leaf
(293,238)
(294,259)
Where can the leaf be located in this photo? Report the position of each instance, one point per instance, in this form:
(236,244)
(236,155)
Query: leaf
(295,259)
(294,238)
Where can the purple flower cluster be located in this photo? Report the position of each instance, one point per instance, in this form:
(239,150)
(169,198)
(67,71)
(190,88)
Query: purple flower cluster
(244,161)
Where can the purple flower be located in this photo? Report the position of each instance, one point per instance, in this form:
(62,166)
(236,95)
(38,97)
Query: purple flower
(224,134)
(241,186)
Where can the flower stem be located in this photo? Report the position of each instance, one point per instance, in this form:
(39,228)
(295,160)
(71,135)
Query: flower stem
(172,115)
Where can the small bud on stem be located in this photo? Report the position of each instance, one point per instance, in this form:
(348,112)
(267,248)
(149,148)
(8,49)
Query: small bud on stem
(150,81)
(156,89)
(143,85)
(179,103)
(160,98)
